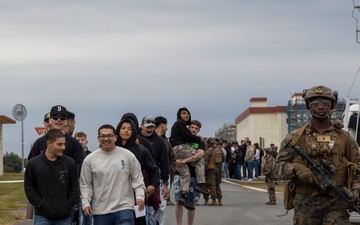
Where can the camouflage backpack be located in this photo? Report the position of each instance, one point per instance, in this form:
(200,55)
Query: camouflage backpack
(217,156)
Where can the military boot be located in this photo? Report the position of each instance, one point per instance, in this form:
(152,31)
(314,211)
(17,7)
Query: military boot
(220,202)
(272,202)
(206,202)
(213,203)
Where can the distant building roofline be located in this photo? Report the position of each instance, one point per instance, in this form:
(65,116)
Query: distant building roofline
(6,120)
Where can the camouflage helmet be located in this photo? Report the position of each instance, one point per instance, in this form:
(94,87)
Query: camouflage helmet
(320,91)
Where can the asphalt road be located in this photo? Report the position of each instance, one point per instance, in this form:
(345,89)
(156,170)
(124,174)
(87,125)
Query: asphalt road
(242,206)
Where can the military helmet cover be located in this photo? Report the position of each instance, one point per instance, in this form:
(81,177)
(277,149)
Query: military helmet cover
(320,91)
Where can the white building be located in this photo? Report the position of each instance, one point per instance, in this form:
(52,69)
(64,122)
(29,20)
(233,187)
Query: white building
(262,124)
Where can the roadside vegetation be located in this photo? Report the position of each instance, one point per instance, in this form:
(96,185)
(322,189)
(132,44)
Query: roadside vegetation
(13,201)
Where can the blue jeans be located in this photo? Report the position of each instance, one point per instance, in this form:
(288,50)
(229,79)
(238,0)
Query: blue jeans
(237,171)
(84,220)
(245,168)
(250,169)
(40,220)
(256,166)
(150,218)
(224,170)
(122,217)
(160,214)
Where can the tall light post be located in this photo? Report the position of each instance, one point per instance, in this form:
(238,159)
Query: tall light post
(19,113)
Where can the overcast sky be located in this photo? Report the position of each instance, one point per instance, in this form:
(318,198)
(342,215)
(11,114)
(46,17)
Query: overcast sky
(101,59)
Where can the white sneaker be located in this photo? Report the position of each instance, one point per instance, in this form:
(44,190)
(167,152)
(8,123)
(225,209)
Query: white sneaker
(250,179)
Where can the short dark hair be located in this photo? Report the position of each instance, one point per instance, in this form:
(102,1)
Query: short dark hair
(159,120)
(53,134)
(196,122)
(106,126)
(80,134)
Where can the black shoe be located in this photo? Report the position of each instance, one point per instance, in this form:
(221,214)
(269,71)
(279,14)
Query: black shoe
(186,203)
(202,189)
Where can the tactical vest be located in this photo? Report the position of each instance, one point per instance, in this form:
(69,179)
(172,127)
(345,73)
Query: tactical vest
(326,146)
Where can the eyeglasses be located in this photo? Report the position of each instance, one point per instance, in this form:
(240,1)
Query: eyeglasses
(316,104)
(46,121)
(103,137)
(184,113)
(58,117)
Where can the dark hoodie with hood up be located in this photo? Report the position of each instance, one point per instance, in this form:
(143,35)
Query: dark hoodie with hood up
(145,142)
(180,134)
(52,186)
(142,154)
(149,168)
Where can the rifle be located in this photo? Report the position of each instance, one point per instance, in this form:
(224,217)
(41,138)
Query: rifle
(323,172)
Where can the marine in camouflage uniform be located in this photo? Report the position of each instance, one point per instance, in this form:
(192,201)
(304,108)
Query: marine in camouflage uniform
(213,174)
(268,170)
(320,139)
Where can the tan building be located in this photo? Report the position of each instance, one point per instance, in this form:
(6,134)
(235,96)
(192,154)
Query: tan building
(262,124)
(3,120)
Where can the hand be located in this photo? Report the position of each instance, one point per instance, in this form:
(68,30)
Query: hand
(165,191)
(354,194)
(88,211)
(149,191)
(305,175)
(140,204)
(179,162)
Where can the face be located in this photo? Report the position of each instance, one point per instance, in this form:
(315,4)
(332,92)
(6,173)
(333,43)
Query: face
(125,131)
(163,128)
(194,129)
(58,122)
(57,147)
(147,131)
(83,141)
(107,139)
(184,115)
(47,124)
(70,127)
(320,108)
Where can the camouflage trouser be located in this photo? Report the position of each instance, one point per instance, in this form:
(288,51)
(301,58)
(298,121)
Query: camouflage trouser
(271,189)
(213,181)
(182,152)
(321,209)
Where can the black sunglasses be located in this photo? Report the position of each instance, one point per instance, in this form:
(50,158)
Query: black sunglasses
(57,117)
(150,121)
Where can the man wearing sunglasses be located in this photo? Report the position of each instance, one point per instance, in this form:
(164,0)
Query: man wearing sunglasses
(58,121)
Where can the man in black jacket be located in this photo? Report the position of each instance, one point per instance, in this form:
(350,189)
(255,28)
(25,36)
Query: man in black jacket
(51,182)
(242,149)
(161,159)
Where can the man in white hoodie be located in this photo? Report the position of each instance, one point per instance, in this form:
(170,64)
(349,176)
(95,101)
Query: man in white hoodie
(110,177)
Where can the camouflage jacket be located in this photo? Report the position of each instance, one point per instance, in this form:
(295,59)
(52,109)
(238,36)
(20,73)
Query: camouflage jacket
(268,168)
(335,145)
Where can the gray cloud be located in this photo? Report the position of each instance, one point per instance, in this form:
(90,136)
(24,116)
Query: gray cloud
(103,59)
